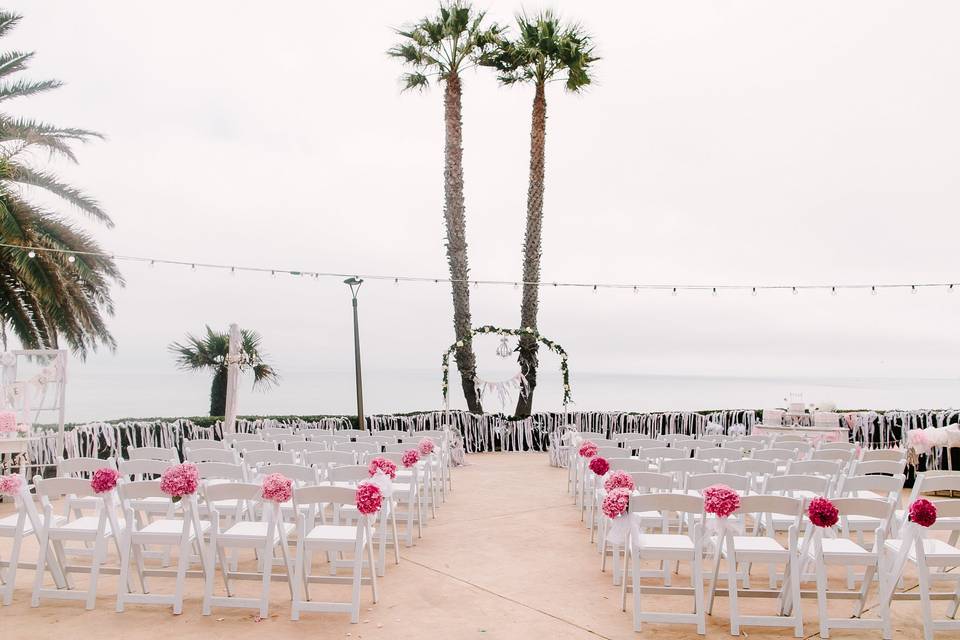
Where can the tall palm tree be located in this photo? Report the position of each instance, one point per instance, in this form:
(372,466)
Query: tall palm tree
(441,48)
(545,50)
(64,290)
(211,351)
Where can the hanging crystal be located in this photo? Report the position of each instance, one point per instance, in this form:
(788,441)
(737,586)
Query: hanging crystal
(504,349)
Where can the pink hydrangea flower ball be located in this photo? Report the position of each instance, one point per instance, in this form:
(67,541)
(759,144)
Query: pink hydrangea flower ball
(616,503)
(104,480)
(923,512)
(720,500)
(180,480)
(369,498)
(599,465)
(410,458)
(11,485)
(277,488)
(426,447)
(588,449)
(822,512)
(618,480)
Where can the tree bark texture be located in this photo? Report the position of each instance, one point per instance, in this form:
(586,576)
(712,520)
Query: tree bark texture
(454,213)
(532,243)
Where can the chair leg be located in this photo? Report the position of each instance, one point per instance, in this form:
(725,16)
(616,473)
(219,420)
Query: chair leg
(267,556)
(635,563)
(41,565)
(698,594)
(211,551)
(732,591)
(123,585)
(822,598)
(182,563)
(99,555)
(298,580)
(11,576)
(923,572)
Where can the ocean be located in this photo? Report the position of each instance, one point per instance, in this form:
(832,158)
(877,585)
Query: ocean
(100,395)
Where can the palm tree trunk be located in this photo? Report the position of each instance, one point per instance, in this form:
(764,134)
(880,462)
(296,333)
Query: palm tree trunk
(218,393)
(454,213)
(532,250)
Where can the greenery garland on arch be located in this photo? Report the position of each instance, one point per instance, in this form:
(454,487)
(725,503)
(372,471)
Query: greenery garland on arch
(526,331)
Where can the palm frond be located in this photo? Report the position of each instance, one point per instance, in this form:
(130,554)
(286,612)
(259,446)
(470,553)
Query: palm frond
(8,20)
(22,174)
(23,88)
(35,133)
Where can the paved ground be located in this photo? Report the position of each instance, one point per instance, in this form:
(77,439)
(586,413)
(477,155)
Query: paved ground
(507,557)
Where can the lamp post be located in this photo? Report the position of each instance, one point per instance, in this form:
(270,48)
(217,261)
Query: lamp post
(354,284)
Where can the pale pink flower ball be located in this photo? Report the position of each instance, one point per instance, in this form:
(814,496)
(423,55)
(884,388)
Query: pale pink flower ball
(616,503)
(180,480)
(618,480)
(277,488)
(426,447)
(104,480)
(588,449)
(11,485)
(389,467)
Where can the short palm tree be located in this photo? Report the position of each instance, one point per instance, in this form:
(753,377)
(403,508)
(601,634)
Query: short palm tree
(64,290)
(441,48)
(545,50)
(210,352)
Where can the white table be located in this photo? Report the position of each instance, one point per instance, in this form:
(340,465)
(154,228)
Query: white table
(813,435)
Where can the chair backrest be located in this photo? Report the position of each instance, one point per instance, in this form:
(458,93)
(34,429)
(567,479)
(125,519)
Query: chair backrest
(948,513)
(869,455)
(930,482)
(698,481)
(255,445)
(769,503)
(664,453)
(686,466)
(715,439)
(635,444)
(82,467)
(670,438)
(302,475)
(153,453)
(763,438)
(611,452)
(278,431)
(842,455)
(829,468)
(247,491)
(889,467)
(244,437)
(784,455)
(205,443)
(719,454)
(622,436)
(330,440)
(352,433)
(378,439)
(647,481)
(331,458)
(799,448)
(58,487)
(395,434)
(789,438)
(234,472)
(869,507)
(675,502)
(358,447)
(138,490)
(788,484)
(741,445)
(692,444)
(837,446)
(751,467)
(323,495)
(286,437)
(628,464)
(353,473)
(211,455)
(301,447)
(139,469)
(253,458)
(399,448)
(891,485)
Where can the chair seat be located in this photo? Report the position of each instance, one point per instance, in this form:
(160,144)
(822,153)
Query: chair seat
(665,542)
(246,529)
(763,544)
(936,551)
(170,526)
(834,547)
(332,533)
(85,524)
(863,522)
(10,522)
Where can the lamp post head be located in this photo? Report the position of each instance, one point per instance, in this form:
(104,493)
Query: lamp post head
(353,281)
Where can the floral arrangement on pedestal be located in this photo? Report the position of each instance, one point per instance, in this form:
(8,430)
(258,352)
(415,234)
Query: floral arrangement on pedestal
(524,332)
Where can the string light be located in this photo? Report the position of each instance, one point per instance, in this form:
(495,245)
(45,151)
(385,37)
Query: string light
(795,292)
(32,252)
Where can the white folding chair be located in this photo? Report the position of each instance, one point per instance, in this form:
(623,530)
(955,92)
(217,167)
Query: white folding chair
(300,448)
(324,461)
(758,470)
(185,533)
(301,475)
(351,476)
(411,483)
(330,440)
(237,438)
(837,446)
(335,538)
(934,482)
(95,530)
(746,549)
(827,468)
(826,552)
(363,450)
(869,455)
(668,548)
(682,468)
(256,445)
(926,552)
(254,458)
(718,456)
(643,482)
(148,508)
(24,522)
(205,443)
(885,467)
(264,536)
(635,444)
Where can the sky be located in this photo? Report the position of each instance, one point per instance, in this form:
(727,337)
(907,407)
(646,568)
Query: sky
(743,142)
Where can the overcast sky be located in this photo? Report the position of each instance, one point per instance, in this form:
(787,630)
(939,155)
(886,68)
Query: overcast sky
(722,143)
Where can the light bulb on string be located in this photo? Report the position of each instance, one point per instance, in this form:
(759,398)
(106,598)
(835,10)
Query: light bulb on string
(193,267)
(71,259)
(31,254)
(594,288)
(833,291)
(913,288)
(152,263)
(873,290)
(635,290)
(754,292)
(273,273)
(233,271)
(674,291)
(714,291)
(950,289)
(795,292)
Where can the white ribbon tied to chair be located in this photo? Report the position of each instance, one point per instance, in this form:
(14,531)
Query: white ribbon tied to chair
(627,524)
(720,527)
(383,482)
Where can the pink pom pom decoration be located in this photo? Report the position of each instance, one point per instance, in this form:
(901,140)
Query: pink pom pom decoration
(277,488)
(822,512)
(104,480)
(426,447)
(410,458)
(720,500)
(599,465)
(588,449)
(11,485)
(618,480)
(369,498)
(389,467)
(8,422)
(180,480)
(922,512)
(616,503)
